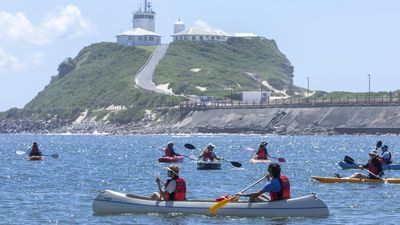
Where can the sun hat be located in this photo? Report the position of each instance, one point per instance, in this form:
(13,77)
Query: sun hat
(174,169)
(373,152)
(210,145)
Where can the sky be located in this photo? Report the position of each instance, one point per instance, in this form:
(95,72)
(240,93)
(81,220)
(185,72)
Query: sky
(335,43)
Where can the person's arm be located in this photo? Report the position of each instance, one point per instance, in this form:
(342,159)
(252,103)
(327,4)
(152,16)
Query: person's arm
(162,193)
(253,194)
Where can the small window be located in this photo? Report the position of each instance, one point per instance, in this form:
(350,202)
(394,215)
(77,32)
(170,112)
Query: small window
(130,38)
(201,38)
(151,38)
(185,38)
(212,38)
(145,38)
(140,38)
(193,38)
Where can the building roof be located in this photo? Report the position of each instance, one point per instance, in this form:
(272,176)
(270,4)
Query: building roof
(202,31)
(245,35)
(138,32)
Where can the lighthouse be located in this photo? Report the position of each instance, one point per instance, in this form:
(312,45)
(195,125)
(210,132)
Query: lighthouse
(145,17)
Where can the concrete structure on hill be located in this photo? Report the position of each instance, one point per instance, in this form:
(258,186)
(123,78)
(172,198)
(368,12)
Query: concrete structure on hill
(143,32)
(200,34)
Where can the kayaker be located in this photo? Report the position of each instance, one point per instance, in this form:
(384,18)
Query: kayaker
(278,187)
(262,152)
(169,150)
(208,153)
(35,150)
(373,165)
(385,156)
(174,188)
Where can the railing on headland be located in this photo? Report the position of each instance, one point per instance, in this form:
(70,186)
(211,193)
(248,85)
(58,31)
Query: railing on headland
(294,102)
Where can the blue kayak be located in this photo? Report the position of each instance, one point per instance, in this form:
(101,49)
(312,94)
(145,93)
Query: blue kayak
(347,166)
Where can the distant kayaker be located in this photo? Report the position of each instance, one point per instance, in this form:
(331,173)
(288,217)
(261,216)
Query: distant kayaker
(373,165)
(208,153)
(278,187)
(385,156)
(174,188)
(262,152)
(169,150)
(35,150)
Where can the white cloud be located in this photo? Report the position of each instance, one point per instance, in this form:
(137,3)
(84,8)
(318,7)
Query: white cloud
(202,24)
(9,63)
(65,22)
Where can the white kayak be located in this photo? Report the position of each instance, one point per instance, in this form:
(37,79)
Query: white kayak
(111,202)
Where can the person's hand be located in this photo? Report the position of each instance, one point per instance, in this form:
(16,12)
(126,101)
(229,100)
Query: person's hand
(220,158)
(239,194)
(361,166)
(267,176)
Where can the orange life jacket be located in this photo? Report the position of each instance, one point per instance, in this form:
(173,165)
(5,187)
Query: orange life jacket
(168,151)
(207,155)
(285,190)
(180,191)
(262,153)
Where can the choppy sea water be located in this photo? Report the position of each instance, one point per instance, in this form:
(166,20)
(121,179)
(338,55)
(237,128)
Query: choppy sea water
(61,191)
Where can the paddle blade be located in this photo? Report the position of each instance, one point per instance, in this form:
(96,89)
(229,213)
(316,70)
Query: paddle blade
(219,204)
(250,149)
(55,156)
(189,146)
(20,152)
(378,144)
(236,164)
(349,160)
(282,160)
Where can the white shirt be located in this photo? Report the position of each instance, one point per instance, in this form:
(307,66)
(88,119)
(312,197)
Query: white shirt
(171,187)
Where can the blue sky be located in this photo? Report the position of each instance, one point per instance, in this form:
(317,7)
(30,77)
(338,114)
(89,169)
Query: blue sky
(335,43)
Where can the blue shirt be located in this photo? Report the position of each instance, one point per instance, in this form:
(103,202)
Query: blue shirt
(274,185)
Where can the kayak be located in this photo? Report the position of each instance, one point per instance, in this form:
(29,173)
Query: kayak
(354,180)
(111,202)
(346,166)
(253,160)
(35,157)
(168,159)
(208,165)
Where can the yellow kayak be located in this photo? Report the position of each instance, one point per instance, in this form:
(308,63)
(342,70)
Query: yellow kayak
(35,157)
(354,180)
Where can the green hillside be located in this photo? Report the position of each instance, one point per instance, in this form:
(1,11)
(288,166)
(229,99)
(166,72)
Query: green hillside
(237,64)
(101,75)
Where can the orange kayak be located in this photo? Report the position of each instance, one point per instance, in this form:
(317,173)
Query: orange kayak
(35,157)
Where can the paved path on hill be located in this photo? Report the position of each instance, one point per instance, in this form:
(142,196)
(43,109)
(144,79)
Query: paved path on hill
(144,78)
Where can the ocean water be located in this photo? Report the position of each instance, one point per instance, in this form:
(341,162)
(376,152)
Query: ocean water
(61,191)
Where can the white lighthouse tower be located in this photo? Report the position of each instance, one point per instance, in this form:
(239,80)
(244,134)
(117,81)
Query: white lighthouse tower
(179,26)
(145,17)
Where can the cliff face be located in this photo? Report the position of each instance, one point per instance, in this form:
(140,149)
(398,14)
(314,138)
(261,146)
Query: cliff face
(294,120)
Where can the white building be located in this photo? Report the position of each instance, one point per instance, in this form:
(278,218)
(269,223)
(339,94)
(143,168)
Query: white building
(143,32)
(200,34)
(245,35)
(255,96)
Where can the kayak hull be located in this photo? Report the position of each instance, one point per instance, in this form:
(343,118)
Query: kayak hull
(355,180)
(253,160)
(35,158)
(168,159)
(208,165)
(347,166)
(111,202)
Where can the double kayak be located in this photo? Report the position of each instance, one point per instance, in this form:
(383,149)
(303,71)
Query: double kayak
(35,157)
(346,166)
(111,202)
(355,180)
(253,160)
(208,165)
(169,159)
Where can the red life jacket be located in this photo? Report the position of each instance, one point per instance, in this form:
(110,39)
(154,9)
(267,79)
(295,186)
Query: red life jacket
(168,152)
(373,168)
(35,150)
(207,155)
(285,191)
(261,153)
(180,191)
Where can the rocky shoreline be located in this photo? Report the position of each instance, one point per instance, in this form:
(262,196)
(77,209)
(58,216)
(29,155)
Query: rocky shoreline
(281,121)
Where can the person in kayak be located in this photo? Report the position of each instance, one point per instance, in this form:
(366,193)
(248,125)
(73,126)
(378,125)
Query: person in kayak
(174,188)
(208,153)
(374,166)
(262,152)
(278,187)
(169,150)
(35,150)
(385,156)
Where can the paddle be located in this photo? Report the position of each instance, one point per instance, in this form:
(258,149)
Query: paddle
(378,145)
(54,156)
(233,163)
(222,203)
(282,160)
(350,160)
